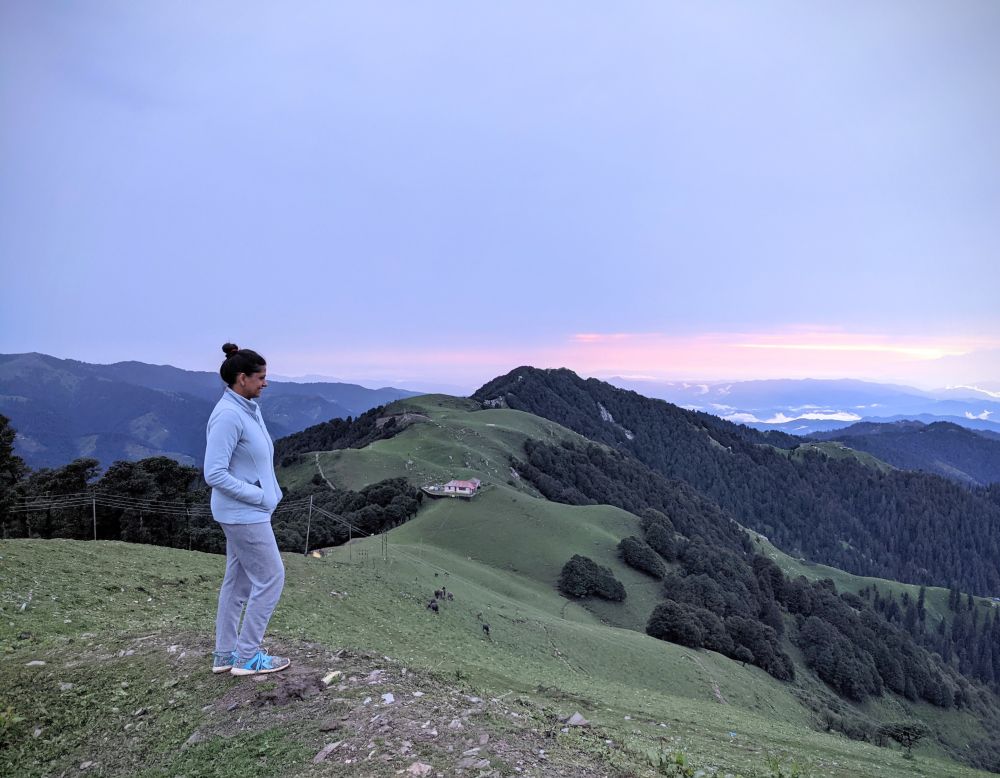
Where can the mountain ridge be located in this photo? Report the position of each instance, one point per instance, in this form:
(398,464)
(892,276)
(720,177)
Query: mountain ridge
(944,448)
(64,409)
(832,511)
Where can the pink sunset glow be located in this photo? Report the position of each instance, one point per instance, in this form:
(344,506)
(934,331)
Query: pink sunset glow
(815,352)
(819,353)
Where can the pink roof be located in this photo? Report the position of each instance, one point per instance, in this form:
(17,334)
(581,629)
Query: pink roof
(473,484)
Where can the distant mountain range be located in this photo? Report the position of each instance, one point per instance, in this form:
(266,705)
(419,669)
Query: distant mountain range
(803,407)
(63,409)
(943,448)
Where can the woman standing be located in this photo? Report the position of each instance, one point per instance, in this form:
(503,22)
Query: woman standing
(239,466)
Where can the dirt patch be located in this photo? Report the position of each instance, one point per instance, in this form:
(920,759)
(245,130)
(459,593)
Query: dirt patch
(377,717)
(333,712)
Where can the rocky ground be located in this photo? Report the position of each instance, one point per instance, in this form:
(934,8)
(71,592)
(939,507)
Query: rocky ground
(376,717)
(347,713)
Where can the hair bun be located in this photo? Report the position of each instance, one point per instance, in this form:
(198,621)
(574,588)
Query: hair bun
(229,349)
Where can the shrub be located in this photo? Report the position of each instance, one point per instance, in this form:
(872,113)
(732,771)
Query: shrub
(639,555)
(676,623)
(582,577)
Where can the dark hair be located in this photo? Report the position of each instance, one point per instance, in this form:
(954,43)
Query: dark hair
(239,360)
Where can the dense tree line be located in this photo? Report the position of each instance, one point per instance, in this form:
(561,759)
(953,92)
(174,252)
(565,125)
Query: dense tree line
(585,475)
(178,498)
(905,526)
(336,434)
(968,641)
(947,449)
(719,594)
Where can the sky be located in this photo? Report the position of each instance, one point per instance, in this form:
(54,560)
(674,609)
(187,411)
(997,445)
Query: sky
(436,193)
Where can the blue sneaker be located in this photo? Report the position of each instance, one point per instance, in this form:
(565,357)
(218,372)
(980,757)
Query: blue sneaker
(223,661)
(259,664)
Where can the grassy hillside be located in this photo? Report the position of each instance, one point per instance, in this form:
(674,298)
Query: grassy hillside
(515,543)
(459,441)
(836,450)
(125,631)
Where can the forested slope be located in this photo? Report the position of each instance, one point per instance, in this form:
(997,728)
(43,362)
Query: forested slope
(906,526)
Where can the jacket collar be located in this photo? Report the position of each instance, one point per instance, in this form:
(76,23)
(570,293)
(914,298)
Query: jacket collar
(247,405)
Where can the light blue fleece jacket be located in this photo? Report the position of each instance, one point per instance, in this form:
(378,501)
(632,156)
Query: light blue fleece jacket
(239,462)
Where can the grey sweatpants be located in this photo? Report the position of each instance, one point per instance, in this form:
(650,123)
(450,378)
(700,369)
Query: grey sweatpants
(254,578)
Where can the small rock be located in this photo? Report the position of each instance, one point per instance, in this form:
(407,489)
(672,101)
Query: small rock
(196,737)
(331,677)
(375,676)
(35,663)
(456,724)
(86,765)
(388,699)
(484,739)
(419,768)
(140,712)
(65,687)
(37,732)
(471,752)
(329,726)
(576,720)
(325,751)
(564,730)
(233,706)
(367,700)
(418,694)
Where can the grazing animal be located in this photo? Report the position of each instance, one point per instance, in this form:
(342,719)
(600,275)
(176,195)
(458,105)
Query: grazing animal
(433,605)
(438,594)
(450,596)
(486,630)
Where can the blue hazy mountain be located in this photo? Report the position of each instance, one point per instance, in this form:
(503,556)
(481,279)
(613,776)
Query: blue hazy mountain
(63,409)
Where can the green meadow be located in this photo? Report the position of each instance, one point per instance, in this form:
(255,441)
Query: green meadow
(81,607)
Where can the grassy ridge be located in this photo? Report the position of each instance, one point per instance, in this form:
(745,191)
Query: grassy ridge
(514,543)
(86,605)
(715,711)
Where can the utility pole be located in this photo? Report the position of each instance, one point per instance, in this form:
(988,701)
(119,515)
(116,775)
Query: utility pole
(350,546)
(308,524)
(93,513)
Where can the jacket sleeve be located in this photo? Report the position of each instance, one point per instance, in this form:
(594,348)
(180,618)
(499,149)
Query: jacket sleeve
(223,435)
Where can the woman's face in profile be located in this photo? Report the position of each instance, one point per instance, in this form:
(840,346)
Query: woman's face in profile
(251,385)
